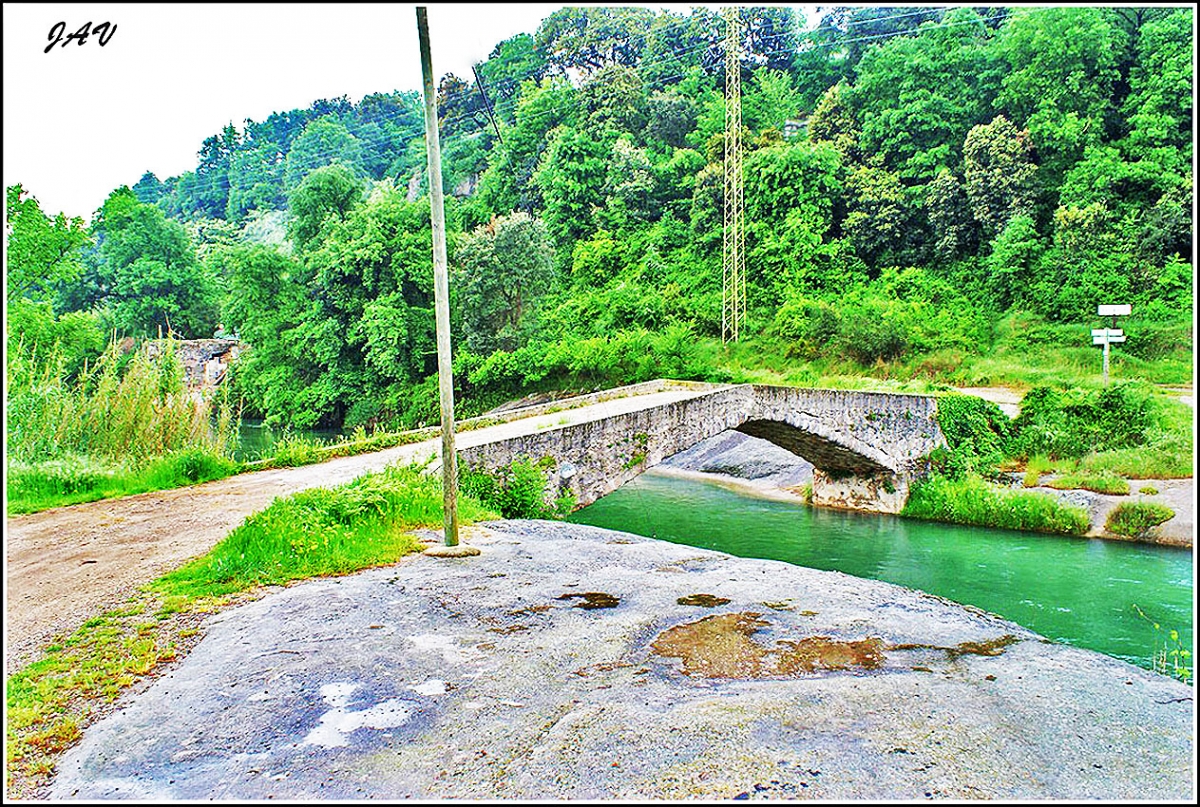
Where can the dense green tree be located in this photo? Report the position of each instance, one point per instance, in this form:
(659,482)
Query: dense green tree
(629,188)
(255,180)
(877,221)
(155,282)
(502,271)
(998,173)
(1013,265)
(670,117)
(591,38)
(614,100)
(511,63)
(770,100)
(1159,107)
(43,253)
(322,142)
(789,191)
(1062,72)
(679,46)
(460,106)
(326,192)
(834,121)
(916,95)
(954,230)
(149,188)
(508,183)
(571,177)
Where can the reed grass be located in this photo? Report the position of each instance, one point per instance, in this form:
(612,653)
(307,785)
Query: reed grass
(125,424)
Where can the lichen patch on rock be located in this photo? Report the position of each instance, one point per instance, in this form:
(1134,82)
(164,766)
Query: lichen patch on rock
(721,646)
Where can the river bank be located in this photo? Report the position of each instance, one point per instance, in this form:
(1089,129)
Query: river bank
(760,468)
(568,662)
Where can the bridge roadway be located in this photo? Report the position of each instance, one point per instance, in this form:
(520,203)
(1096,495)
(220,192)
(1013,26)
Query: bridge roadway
(68,564)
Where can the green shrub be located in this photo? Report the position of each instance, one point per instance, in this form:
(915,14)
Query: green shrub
(187,466)
(1101,483)
(976,431)
(810,325)
(1148,490)
(1134,519)
(1073,423)
(293,450)
(516,491)
(972,500)
(869,334)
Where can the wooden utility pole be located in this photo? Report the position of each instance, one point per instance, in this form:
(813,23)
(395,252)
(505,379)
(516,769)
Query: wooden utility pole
(441,300)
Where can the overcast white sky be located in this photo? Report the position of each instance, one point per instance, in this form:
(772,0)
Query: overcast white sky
(82,120)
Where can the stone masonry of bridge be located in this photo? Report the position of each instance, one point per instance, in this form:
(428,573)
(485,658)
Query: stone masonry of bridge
(865,446)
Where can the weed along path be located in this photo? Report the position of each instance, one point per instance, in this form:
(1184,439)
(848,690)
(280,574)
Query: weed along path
(69,564)
(569,662)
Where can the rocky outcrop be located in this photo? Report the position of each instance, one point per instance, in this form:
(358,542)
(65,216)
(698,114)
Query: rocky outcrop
(205,361)
(572,663)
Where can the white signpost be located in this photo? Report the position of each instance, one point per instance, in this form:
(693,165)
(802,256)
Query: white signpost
(1107,336)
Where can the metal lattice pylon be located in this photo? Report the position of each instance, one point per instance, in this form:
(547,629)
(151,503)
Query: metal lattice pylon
(733,255)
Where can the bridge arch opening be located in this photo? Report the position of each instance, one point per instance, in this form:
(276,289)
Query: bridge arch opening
(824,453)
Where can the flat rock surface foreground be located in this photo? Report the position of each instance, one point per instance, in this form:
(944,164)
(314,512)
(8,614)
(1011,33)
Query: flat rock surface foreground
(561,664)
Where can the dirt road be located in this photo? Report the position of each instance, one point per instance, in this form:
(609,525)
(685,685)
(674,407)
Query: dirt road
(68,564)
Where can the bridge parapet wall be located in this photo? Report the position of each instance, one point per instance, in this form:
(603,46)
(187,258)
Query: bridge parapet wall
(866,446)
(594,458)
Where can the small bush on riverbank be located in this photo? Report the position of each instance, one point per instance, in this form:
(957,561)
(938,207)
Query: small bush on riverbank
(516,491)
(972,500)
(977,433)
(1099,483)
(1072,423)
(1134,519)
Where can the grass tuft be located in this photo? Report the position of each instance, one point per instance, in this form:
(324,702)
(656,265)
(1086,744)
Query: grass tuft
(1135,519)
(1099,483)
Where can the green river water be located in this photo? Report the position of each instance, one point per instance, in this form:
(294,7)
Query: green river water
(1073,590)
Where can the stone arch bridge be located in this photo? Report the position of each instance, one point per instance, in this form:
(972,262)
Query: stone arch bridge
(865,447)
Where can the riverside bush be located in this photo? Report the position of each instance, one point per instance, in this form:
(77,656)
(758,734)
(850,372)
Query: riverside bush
(1073,423)
(516,491)
(1134,519)
(977,433)
(972,500)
